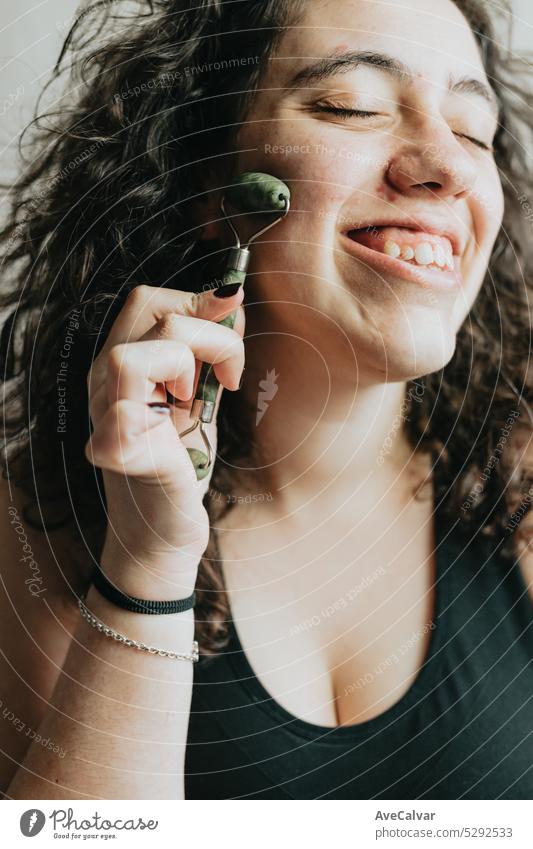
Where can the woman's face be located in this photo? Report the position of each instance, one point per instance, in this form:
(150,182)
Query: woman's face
(411,175)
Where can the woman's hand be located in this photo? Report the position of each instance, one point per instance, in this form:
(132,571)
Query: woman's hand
(157,527)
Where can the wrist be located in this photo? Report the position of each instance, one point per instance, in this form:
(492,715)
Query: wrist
(149,579)
(174,630)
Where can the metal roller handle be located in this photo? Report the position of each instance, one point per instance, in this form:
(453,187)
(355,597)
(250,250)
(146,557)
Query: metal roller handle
(253,192)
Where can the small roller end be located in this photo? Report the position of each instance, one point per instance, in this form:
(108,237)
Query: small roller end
(200,462)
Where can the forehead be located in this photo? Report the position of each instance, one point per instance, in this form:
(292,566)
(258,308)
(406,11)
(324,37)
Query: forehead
(433,39)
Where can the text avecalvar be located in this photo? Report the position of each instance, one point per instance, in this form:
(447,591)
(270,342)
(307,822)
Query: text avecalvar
(404,815)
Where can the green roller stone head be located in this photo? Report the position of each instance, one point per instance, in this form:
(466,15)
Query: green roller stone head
(256,192)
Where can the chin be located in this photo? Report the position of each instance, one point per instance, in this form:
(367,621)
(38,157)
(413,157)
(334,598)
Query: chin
(410,351)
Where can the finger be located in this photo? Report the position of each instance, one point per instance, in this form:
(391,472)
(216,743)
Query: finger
(210,342)
(172,391)
(146,305)
(132,439)
(134,369)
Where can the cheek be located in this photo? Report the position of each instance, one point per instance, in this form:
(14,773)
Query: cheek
(322,173)
(487,207)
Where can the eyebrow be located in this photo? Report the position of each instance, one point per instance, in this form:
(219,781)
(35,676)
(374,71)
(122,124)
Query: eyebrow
(342,63)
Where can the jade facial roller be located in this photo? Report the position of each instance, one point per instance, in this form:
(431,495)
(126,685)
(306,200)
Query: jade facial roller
(252,192)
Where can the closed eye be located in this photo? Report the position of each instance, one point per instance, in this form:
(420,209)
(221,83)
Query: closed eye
(344,112)
(478,142)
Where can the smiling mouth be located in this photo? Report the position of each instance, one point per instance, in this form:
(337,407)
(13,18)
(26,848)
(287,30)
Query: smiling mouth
(414,247)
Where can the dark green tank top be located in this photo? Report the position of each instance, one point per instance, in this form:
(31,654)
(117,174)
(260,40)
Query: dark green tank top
(463,730)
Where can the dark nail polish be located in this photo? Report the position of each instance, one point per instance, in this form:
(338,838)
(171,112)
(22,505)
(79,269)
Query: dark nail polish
(171,401)
(227,291)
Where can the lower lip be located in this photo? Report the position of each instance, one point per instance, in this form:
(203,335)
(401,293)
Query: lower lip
(428,278)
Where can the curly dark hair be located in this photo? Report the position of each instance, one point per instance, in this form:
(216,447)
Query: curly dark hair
(103,204)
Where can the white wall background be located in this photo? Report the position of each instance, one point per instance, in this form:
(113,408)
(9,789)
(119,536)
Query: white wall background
(523,14)
(31,32)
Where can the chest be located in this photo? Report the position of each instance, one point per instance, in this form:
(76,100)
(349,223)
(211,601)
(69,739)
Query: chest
(336,630)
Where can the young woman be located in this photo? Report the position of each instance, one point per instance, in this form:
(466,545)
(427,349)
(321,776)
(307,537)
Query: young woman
(359,551)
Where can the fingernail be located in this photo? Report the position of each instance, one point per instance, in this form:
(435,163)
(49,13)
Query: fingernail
(160,407)
(227,291)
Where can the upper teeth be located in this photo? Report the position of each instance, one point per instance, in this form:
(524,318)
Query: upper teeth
(424,253)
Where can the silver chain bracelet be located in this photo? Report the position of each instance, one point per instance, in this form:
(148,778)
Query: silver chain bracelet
(120,638)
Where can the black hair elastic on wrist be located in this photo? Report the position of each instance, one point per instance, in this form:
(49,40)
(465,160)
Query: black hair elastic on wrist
(138,605)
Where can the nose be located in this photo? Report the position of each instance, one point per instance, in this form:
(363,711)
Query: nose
(433,164)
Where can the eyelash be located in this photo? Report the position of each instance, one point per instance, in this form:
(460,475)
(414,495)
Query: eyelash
(344,112)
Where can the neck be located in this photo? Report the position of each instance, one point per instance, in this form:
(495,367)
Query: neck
(322,426)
